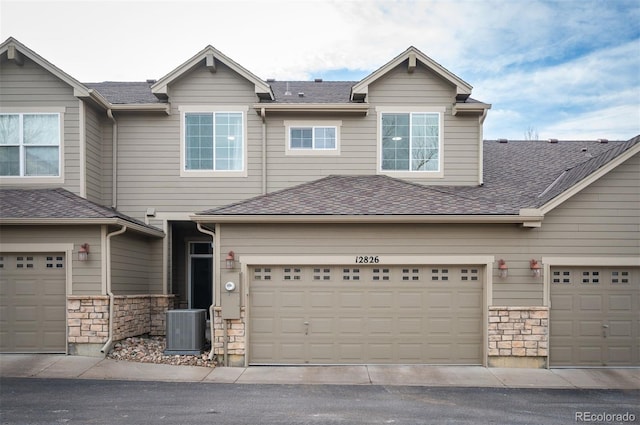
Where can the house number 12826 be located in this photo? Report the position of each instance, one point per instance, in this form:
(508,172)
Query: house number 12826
(367,259)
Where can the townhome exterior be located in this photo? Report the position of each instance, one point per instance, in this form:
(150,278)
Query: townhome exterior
(317,222)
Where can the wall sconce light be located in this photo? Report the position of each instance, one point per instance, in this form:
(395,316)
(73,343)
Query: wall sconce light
(83,252)
(231,259)
(503,270)
(535,268)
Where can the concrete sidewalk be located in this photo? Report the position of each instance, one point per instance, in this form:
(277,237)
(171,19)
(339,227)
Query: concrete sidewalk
(78,367)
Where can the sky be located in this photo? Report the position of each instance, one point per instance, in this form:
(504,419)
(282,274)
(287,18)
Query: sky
(565,69)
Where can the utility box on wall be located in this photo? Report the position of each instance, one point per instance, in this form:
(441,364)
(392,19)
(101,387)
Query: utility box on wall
(230,301)
(185,332)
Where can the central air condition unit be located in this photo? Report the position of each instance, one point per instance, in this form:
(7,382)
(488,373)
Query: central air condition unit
(185,332)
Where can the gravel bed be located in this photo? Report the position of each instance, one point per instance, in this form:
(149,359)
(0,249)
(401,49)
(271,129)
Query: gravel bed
(151,350)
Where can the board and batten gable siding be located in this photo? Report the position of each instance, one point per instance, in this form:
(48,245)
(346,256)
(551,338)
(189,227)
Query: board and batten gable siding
(87,275)
(149,149)
(130,264)
(29,87)
(398,88)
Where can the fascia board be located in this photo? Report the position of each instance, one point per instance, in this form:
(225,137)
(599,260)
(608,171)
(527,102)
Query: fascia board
(82,221)
(478,108)
(313,107)
(582,184)
(160,87)
(364,219)
(79,89)
(142,107)
(462,87)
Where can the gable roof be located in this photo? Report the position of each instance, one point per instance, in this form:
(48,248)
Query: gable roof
(59,206)
(210,55)
(521,177)
(412,55)
(13,47)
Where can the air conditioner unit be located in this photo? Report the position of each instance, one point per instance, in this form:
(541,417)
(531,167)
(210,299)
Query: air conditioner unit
(185,331)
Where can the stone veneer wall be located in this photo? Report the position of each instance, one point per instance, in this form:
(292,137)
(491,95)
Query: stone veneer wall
(88,317)
(235,338)
(518,336)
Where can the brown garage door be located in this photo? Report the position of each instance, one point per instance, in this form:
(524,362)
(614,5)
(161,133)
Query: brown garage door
(32,303)
(365,315)
(595,316)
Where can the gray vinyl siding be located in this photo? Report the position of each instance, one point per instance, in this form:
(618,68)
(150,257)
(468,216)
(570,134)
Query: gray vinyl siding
(30,86)
(130,262)
(149,150)
(86,275)
(425,88)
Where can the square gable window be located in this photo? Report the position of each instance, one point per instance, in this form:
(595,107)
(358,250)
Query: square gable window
(312,138)
(410,143)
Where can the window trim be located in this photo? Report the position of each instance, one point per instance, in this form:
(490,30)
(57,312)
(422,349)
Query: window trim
(289,124)
(440,110)
(236,109)
(29,180)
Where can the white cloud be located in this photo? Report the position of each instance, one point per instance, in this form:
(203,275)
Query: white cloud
(618,122)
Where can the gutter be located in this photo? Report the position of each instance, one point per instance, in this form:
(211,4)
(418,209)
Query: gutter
(107,346)
(84,221)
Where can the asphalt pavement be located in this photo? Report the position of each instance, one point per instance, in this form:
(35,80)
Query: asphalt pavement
(79,367)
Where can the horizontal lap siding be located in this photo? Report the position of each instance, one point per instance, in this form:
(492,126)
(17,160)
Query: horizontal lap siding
(130,256)
(149,150)
(30,86)
(94,157)
(87,275)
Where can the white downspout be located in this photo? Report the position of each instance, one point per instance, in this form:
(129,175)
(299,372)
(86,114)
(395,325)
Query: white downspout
(213,273)
(114,165)
(107,346)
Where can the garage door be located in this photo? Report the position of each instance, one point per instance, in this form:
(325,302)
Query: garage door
(595,316)
(365,315)
(32,303)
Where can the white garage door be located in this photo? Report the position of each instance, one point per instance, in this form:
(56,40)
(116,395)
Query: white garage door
(32,303)
(595,316)
(365,315)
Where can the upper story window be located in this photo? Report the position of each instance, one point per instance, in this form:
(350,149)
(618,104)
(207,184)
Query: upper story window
(30,144)
(411,142)
(313,137)
(213,141)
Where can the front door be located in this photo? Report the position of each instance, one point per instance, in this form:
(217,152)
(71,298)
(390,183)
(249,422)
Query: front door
(200,275)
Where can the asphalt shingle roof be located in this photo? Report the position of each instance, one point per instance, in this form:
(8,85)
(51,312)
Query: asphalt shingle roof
(523,174)
(53,204)
(119,93)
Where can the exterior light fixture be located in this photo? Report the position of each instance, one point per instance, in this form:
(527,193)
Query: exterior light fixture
(503,270)
(231,259)
(535,268)
(83,252)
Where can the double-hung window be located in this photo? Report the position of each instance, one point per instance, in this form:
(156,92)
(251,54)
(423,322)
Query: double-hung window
(213,141)
(30,144)
(411,142)
(313,138)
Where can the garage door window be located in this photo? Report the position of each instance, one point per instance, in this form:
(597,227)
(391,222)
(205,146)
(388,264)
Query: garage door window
(618,277)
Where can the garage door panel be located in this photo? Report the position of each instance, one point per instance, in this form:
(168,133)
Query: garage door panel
(594,316)
(372,315)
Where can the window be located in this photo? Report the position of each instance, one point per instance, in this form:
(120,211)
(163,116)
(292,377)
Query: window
(313,137)
(410,142)
(213,141)
(30,144)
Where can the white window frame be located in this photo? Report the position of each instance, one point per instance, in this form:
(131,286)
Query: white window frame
(22,179)
(440,110)
(289,125)
(212,109)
